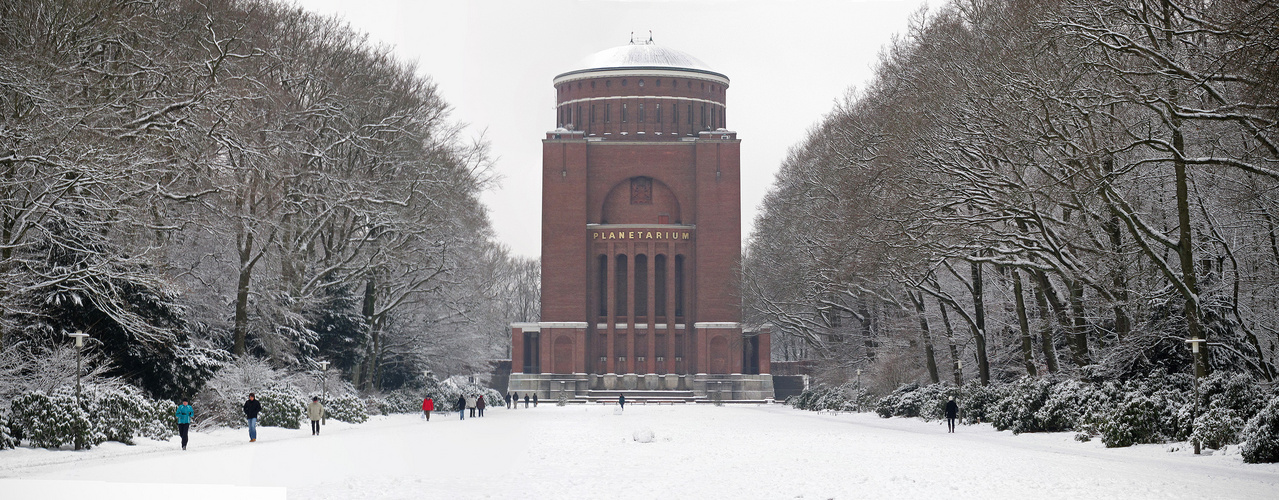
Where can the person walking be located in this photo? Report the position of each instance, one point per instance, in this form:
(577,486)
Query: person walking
(470,405)
(184,413)
(428,405)
(515,400)
(315,412)
(480,405)
(526,400)
(621,401)
(461,407)
(508,400)
(251,409)
(535,400)
(952,410)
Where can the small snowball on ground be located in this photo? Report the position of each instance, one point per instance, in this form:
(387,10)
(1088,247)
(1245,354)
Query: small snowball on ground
(644,435)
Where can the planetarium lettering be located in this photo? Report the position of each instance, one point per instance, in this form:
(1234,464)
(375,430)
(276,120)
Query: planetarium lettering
(639,235)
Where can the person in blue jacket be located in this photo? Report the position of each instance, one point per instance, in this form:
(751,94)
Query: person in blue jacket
(184,413)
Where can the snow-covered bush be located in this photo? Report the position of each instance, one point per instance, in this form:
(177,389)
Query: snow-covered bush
(902,402)
(1135,421)
(1072,405)
(163,422)
(6,436)
(282,406)
(53,420)
(403,401)
(1237,392)
(838,398)
(1016,410)
(1261,435)
(1217,427)
(976,400)
(120,413)
(347,408)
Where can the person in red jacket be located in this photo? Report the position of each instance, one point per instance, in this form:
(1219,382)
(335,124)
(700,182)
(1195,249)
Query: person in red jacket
(480,405)
(428,405)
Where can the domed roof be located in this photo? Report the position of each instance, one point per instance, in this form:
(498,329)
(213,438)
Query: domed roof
(641,55)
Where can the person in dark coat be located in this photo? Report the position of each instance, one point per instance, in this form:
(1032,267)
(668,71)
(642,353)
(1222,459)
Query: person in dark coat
(535,400)
(515,400)
(461,407)
(508,400)
(952,410)
(479,405)
(251,409)
(526,400)
(184,413)
(621,401)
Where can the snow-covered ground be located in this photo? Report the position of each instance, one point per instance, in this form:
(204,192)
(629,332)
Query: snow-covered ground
(589,452)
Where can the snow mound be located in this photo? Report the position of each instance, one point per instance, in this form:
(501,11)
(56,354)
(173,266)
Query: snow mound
(644,435)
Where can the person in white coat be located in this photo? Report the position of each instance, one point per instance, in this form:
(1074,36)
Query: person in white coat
(315,412)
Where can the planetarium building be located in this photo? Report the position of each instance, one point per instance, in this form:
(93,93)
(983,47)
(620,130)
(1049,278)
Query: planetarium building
(641,239)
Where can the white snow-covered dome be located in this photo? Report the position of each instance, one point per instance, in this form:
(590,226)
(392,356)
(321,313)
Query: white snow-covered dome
(641,56)
(644,55)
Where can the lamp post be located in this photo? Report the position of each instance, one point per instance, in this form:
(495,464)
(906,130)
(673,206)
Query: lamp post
(324,389)
(79,344)
(1194,356)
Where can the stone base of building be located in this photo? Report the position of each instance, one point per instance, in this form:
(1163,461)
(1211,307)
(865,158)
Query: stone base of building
(582,387)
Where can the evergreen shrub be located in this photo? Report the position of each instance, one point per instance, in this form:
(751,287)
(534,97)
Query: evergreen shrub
(1135,421)
(347,408)
(53,420)
(1217,427)
(282,406)
(6,436)
(1261,435)
(1016,410)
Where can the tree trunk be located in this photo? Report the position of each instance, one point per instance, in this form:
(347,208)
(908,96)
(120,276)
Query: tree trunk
(1046,331)
(1078,324)
(242,292)
(929,357)
(979,326)
(1185,251)
(1027,348)
(955,369)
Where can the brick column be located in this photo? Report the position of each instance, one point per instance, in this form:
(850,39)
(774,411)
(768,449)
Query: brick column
(517,350)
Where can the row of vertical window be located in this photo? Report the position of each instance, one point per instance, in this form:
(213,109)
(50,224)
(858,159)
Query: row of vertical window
(640,288)
(713,116)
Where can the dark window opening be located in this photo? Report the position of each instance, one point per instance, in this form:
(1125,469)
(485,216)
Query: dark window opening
(659,111)
(592,112)
(602,281)
(532,353)
(623,112)
(679,285)
(619,287)
(641,112)
(641,285)
(659,286)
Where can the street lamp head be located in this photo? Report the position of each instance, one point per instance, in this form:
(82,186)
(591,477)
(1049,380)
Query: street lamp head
(79,338)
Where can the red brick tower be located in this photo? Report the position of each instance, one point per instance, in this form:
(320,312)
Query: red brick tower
(641,238)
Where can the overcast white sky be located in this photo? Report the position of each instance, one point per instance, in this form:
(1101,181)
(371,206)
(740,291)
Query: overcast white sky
(788,62)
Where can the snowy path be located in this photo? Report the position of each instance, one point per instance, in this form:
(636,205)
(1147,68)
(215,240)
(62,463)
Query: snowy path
(699,452)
